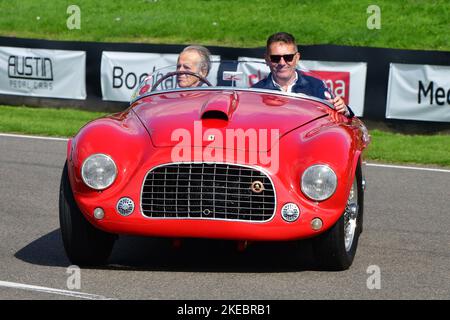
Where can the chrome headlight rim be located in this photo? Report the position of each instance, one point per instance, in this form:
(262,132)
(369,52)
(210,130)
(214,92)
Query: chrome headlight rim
(313,167)
(89,158)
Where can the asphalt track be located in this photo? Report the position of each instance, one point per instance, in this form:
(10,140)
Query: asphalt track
(406,238)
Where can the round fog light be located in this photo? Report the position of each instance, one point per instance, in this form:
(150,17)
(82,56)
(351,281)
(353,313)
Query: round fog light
(290,212)
(99,213)
(125,206)
(316,224)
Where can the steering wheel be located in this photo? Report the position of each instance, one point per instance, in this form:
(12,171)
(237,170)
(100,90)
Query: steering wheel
(177,73)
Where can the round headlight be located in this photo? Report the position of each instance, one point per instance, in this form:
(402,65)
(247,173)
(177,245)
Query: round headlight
(319,182)
(99,171)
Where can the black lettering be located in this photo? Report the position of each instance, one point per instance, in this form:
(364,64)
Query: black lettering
(28,66)
(37,63)
(156,78)
(18,69)
(133,76)
(142,77)
(11,65)
(448,96)
(117,76)
(45,63)
(25,68)
(440,93)
(425,93)
(169,83)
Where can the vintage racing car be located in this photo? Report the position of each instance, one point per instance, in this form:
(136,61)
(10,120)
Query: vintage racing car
(220,161)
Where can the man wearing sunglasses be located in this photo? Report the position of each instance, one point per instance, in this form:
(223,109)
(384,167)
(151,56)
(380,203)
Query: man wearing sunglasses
(282,58)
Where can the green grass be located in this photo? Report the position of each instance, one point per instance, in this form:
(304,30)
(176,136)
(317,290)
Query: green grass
(414,149)
(408,24)
(44,121)
(385,146)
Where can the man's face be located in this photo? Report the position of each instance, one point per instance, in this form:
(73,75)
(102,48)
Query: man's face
(188,61)
(282,70)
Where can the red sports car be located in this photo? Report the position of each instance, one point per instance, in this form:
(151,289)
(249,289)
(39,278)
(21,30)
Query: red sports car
(222,162)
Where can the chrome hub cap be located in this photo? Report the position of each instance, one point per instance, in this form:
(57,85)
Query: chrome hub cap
(351,216)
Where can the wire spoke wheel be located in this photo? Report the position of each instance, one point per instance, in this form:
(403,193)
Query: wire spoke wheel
(335,249)
(351,216)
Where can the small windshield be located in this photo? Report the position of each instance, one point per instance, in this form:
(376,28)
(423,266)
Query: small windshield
(243,73)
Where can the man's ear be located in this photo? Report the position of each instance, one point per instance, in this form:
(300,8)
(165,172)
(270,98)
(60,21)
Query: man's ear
(203,73)
(267,59)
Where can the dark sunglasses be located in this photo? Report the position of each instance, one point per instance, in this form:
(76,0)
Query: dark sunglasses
(275,58)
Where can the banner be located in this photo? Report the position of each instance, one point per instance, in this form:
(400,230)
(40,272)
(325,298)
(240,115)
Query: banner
(418,92)
(346,79)
(121,72)
(43,73)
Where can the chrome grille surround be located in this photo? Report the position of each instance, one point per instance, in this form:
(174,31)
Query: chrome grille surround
(207,191)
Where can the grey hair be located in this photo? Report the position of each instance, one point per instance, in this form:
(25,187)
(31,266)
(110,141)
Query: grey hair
(205,63)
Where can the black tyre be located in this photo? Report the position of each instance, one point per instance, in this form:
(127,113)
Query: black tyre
(335,249)
(85,245)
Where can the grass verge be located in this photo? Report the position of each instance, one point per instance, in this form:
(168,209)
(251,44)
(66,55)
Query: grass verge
(385,147)
(406,24)
(391,147)
(44,121)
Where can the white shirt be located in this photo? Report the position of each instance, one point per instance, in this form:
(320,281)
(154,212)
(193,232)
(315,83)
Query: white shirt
(290,86)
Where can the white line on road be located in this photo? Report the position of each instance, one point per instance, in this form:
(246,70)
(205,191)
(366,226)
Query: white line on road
(31,137)
(368,164)
(406,167)
(73,294)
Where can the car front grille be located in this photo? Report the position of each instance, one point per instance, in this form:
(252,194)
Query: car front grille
(208,191)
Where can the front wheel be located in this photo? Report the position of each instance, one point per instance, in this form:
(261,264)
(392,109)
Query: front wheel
(85,245)
(335,249)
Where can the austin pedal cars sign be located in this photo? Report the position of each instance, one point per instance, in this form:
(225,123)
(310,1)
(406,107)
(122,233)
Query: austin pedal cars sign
(43,73)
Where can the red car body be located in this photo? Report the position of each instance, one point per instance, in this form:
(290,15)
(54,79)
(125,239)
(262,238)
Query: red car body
(140,139)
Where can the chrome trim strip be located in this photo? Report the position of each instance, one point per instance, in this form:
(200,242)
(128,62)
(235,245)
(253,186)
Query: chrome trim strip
(211,219)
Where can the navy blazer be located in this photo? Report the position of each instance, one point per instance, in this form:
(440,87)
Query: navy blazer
(305,84)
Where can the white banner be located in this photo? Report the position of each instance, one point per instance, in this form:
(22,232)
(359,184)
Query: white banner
(43,73)
(121,72)
(418,92)
(346,79)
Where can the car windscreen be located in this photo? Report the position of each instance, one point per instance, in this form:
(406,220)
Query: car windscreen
(241,73)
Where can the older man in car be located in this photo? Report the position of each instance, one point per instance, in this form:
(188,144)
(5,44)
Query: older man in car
(195,59)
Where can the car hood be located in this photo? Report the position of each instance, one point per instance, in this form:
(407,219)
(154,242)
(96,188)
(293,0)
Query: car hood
(206,114)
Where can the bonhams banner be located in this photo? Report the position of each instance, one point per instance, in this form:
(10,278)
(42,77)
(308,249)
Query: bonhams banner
(121,72)
(43,73)
(419,92)
(346,79)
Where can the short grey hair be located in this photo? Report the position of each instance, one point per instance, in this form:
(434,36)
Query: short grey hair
(205,63)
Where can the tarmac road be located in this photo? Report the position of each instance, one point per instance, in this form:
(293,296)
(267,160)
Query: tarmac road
(406,238)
